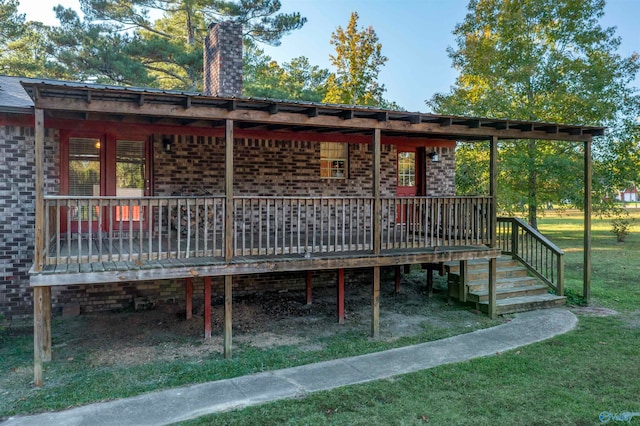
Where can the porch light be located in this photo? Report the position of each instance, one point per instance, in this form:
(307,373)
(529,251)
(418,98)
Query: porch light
(166,145)
(434,156)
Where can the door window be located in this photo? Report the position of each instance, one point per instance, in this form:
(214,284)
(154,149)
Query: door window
(84,174)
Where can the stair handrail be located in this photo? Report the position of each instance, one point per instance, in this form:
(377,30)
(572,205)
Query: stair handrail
(526,244)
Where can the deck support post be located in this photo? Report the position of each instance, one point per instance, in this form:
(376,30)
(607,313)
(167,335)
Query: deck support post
(429,282)
(228,287)
(375,303)
(586,279)
(493,190)
(41,331)
(398,278)
(377,203)
(228,187)
(39,255)
(463,281)
(207,308)
(340,296)
(309,291)
(493,272)
(188,296)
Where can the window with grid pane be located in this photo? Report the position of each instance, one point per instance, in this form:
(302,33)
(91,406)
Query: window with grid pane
(406,169)
(334,160)
(84,173)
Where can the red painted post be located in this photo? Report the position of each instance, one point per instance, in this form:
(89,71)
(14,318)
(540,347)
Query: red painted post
(188,298)
(340,296)
(398,278)
(207,308)
(309,293)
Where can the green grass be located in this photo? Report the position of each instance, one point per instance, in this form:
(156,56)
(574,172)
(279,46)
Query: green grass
(567,380)
(615,266)
(75,378)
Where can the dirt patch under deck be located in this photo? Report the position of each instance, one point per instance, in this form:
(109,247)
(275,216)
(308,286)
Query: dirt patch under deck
(264,320)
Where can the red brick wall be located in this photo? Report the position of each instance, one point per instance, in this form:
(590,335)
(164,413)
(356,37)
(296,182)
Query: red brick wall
(265,167)
(17,212)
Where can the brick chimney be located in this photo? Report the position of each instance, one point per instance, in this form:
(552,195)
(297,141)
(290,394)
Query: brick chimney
(223,60)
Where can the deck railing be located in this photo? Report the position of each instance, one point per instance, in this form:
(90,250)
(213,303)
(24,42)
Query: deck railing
(421,222)
(301,225)
(524,243)
(82,230)
(117,229)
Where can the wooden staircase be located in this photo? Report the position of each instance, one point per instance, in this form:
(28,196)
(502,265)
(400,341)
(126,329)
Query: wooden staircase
(516,291)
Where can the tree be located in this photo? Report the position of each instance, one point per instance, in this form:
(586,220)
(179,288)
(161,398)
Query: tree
(358,60)
(22,43)
(118,41)
(294,80)
(540,60)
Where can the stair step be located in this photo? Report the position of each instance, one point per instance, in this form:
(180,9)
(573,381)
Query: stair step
(524,303)
(508,292)
(480,285)
(479,265)
(502,272)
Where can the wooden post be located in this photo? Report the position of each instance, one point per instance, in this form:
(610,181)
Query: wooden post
(586,282)
(398,278)
(340,296)
(41,331)
(493,189)
(463,281)
(309,292)
(188,296)
(377,208)
(429,281)
(560,276)
(207,308)
(493,266)
(228,300)
(375,303)
(38,258)
(228,184)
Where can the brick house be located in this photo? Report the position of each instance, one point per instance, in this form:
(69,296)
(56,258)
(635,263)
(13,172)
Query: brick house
(115,194)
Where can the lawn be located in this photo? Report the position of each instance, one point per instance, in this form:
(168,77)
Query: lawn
(570,379)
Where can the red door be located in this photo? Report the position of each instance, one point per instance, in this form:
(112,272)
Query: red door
(98,165)
(407,183)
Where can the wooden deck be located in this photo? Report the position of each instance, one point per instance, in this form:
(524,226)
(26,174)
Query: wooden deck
(118,271)
(107,239)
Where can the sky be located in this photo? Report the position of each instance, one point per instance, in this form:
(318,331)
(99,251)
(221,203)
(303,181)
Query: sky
(415,35)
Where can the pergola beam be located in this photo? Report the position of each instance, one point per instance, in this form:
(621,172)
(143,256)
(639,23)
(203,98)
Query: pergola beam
(344,119)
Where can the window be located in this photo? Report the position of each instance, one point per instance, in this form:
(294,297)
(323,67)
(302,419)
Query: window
(334,160)
(406,169)
(84,173)
(130,176)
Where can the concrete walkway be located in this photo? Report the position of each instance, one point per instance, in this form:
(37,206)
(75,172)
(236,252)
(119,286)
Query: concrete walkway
(190,402)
